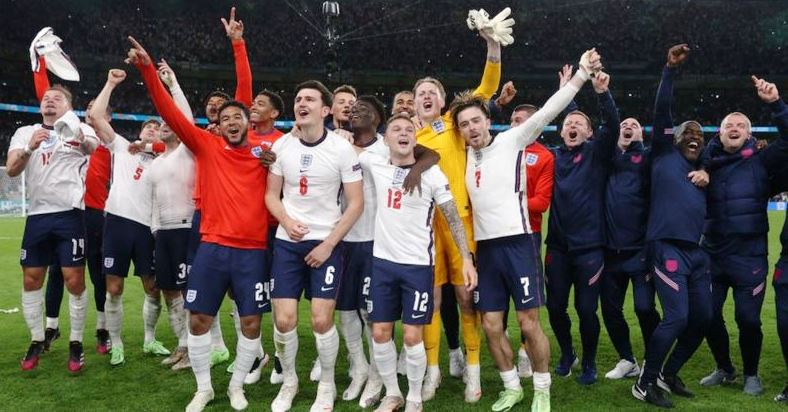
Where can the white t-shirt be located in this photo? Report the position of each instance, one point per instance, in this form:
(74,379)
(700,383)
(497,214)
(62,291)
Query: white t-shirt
(130,193)
(172,178)
(495,174)
(313,176)
(403,223)
(55,172)
(364,228)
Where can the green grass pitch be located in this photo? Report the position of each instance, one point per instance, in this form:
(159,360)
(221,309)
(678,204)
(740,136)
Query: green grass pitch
(142,384)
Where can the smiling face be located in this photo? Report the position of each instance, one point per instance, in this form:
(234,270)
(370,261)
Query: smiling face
(474,127)
(233,125)
(166,134)
(575,130)
(630,131)
(54,103)
(400,137)
(691,142)
(340,108)
(404,103)
(429,101)
(734,131)
(363,116)
(309,109)
(262,109)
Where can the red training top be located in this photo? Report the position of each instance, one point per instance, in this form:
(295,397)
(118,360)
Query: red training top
(539,181)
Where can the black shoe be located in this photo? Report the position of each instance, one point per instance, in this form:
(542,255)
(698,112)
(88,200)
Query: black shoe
(674,385)
(650,394)
(30,361)
(49,336)
(103,343)
(783,396)
(76,356)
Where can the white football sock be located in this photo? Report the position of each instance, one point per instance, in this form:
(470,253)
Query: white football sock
(151,308)
(177,317)
(327,349)
(386,360)
(217,340)
(53,323)
(101,320)
(287,348)
(511,380)
(416,358)
(200,357)
(113,308)
(352,331)
(245,353)
(33,311)
(77,312)
(542,381)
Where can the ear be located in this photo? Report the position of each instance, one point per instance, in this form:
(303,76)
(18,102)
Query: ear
(274,114)
(325,111)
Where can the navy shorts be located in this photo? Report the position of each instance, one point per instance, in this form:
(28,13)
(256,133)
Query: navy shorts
(400,291)
(356,276)
(217,269)
(171,267)
(126,241)
(194,237)
(290,275)
(509,267)
(54,237)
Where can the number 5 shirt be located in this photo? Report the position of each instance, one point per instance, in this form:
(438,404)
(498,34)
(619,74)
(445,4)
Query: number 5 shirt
(131,192)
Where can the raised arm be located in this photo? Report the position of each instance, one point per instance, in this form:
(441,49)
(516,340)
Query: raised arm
(243,72)
(96,117)
(529,131)
(167,76)
(663,118)
(563,78)
(491,78)
(775,156)
(189,134)
(606,136)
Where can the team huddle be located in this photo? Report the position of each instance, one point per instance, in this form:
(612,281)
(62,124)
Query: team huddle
(385,217)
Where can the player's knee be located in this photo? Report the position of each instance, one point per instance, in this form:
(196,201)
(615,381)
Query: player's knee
(285,323)
(412,336)
(321,323)
(250,326)
(200,324)
(492,325)
(75,285)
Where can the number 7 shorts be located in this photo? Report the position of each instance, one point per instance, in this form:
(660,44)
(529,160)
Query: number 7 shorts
(509,267)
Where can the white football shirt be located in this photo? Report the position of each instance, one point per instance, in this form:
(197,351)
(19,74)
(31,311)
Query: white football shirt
(55,172)
(313,176)
(364,228)
(403,223)
(172,179)
(130,193)
(495,174)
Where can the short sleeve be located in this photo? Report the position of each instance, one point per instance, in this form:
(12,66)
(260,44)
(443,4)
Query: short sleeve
(21,138)
(349,166)
(119,143)
(440,185)
(276,166)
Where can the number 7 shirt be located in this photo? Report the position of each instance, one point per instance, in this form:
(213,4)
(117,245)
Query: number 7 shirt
(403,222)
(131,192)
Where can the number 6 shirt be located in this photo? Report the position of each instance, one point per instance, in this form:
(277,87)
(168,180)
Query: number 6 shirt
(131,192)
(403,222)
(313,174)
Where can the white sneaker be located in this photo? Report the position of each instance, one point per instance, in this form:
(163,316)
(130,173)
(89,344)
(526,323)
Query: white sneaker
(402,363)
(390,404)
(284,399)
(314,374)
(624,369)
(456,363)
(326,395)
(524,364)
(411,406)
(254,376)
(276,377)
(473,384)
(356,386)
(199,401)
(237,398)
(372,392)
(432,380)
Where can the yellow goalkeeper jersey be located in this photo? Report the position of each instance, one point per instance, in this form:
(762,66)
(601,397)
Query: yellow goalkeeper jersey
(444,138)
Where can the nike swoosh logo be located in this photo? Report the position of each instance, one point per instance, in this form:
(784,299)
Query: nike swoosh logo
(524,301)
(261,305)
(180,282)
(418,316)
(77,259)
(302,170)
(324,289)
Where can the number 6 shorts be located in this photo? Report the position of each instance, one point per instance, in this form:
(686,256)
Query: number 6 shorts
(290,275)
